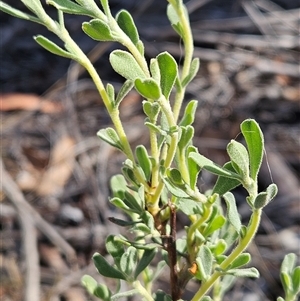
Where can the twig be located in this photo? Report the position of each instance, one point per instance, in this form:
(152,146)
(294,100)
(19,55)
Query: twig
(32,276)
(257,17)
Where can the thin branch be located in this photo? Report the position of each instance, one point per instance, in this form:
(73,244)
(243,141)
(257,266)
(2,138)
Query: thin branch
(32,274)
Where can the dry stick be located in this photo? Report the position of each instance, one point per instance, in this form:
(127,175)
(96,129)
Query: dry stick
(34,216)
(257,17)
(276,11)
(32,275)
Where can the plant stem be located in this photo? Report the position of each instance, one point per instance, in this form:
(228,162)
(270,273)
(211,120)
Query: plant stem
(243,244)
(137,285)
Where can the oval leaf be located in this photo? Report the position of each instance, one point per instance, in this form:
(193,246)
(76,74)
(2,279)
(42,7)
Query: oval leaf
(168,72)
(148,88)
(146,259)
(105,269)
(110,136)
(224,184)
(232,211)
(255,144)
(240,261)
(144,161)
(239,158)
(125,64)
(126,23)
(192,73)
(98,30)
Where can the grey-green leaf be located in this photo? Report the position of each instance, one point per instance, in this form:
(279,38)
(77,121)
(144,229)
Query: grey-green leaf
(52,47)
(125,64)
(204,262)
(189,113)
(17,13)
(144,161)
(255,144)
(192,73)
(264,198)
(241,260)
(232,211)
(98,30)
(125,89)
(128,261)
(168,72)
(110,136)
(145,260)
(209,165)
(105,269)
(239,158)
(126,23)
(70,7)
(250,272)
(225,184)
(193,168)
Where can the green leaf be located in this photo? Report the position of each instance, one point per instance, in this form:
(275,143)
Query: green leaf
(225,184)
(98,30)
(110,92)
(52,47)
(17,13)
(151,109)
(250,272)
(118,185)
(125,89)
(239,158)
(70,7)
(89,283)
(220,247)
(192,73)
(296,280)
(204,262)
(174,19)
(144,161)
(264,198)
(240,261)
(215,224)
(125,64)
(154,68)
(133,202)
(115,248)
(193,168)
(148,88)
(232,212)
(288,263)
(126,23)
(189,113)
(105,269)
(255,144)
(214,168)
(145,260)
(128,261)
(120,204)
(187,134)
(168,72)
(110,136)
(103,292)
